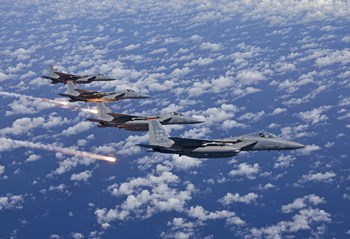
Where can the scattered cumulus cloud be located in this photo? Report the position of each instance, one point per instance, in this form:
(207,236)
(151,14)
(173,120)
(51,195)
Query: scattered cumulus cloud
(317,177)
(230,198)
(82,176)
(11,202)
(245,170)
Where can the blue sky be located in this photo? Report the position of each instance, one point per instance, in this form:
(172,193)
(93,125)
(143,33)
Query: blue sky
(242,66)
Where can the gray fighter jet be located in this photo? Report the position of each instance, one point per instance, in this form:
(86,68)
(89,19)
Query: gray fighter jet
(161,141)
(60,77)
(106,118)
(76,94)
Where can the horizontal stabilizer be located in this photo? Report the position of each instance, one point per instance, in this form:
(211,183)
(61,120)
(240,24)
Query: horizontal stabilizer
(186,142)
(49,77)
(118,95)
(247,144)
(116,115)
(95,120)
(150,146)
(65,95)
(85,91)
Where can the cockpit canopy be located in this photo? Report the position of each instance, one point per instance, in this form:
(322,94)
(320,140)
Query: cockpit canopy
(266,135)
(129,90)
(176,113)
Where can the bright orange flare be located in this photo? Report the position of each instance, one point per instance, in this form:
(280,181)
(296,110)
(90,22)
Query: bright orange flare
(62,104)
(54,148)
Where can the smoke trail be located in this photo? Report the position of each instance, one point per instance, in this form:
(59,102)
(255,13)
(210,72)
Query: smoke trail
(61,104)
(10,143)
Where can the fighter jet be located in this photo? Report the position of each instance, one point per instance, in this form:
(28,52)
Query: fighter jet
(161,141)
(60,77)
(106,118)
(76,94)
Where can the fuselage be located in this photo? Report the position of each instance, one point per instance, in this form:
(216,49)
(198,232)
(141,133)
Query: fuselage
(141,123)
(231,147)
(266,143)
(212,151)
(60,77)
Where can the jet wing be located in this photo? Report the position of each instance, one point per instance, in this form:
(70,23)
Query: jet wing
(95,120)
(122,117)
(49,77)
(186,142)
(63,74)
(117,95)
(150,146)
(166,119)
(85,91)
(85,78)
(245,144)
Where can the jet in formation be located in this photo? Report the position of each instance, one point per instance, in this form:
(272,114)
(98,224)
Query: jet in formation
(76,94)
(106,118)
(60,77)
(161,141)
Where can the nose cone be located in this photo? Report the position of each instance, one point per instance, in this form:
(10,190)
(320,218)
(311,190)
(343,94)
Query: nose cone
(142,96)
(191,120)
(294,145)
(108,79)
(103,78)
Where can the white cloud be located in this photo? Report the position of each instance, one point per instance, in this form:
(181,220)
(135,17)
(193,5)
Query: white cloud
(284,161)
(230,198)
(306,219)
(82,176)
(184,162)
(309,149)
(33,157)
(211,46)
(318,177)
(333,57)
(201,214)
(129,147)
(252,117)
(230,124)
(20,54)
(78,128)
(315,116)
(266,186)
(66,165)
(4,76)
(180,72)
(132,47)
(25,125)
(329,144)
(218,115)
(77,235)
(159,51)
(180,229)
(11,202)
(25,106)
(145,197)
(295,131)
(278,111)
(60,188)
(250,77)
(303,202)
(201,62)
(246,170)
(2,169)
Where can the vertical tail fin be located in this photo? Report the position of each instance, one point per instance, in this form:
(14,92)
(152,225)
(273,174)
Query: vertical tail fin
(52,73)
(71,89)
(102,112)
(158,134)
